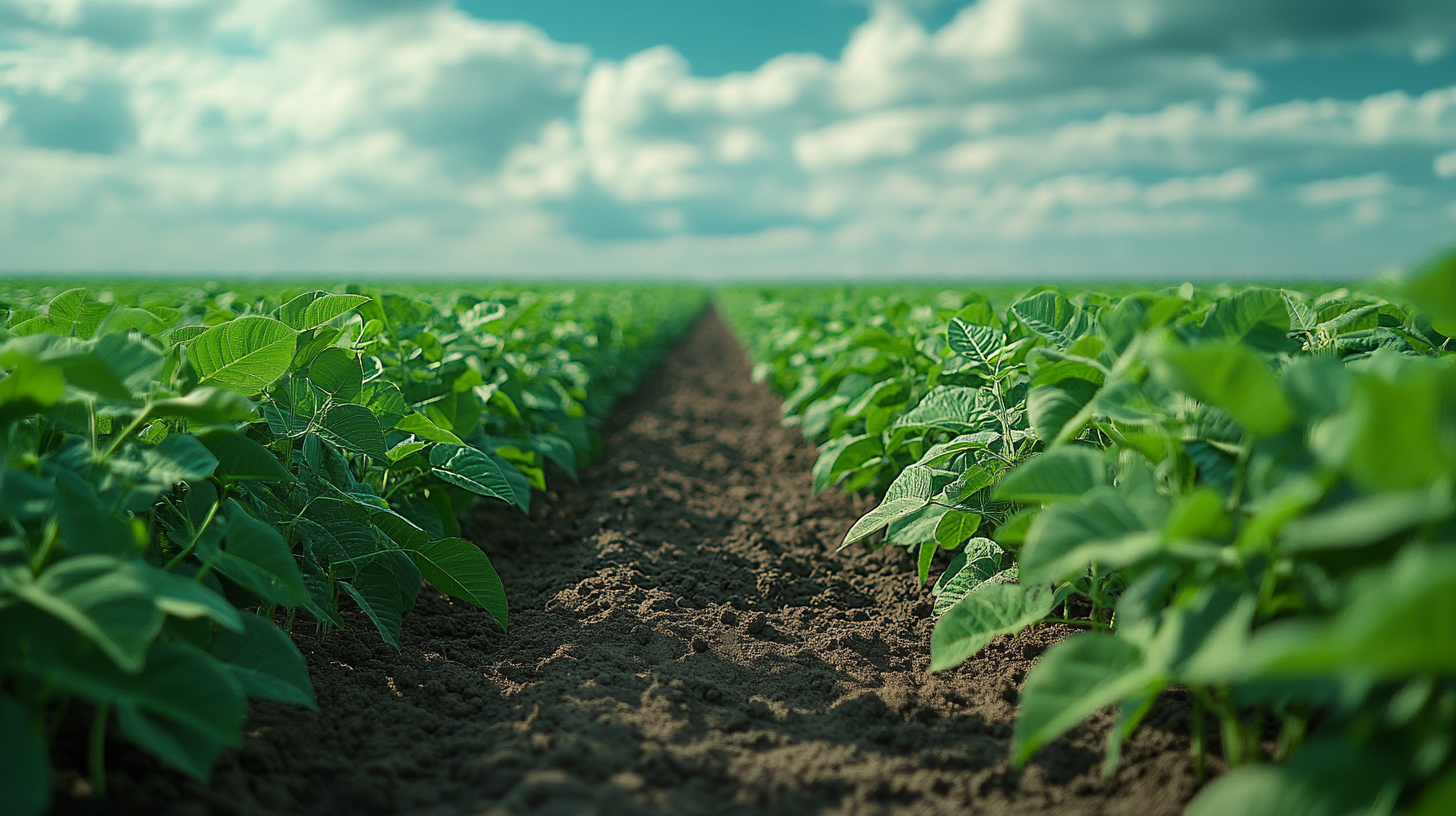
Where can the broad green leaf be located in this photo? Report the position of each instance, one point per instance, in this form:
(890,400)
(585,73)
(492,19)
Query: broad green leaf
(1074,679)
(247,354)
(844,453)
(1395,435)
(459,568)
(377,593)
(206,406)
(25,769)
(949,408)
(29,388)
(1052,316)
(184,748)
(1230,377)
(1100,527)
(1326,778)
(955,527)
(103,600)
(265,662)
(123,319)
(993,609)
(976,566)
(421,426)
(184,598)
(1257,317)
(1057,475)
(908,493)
(1051,407)
(982,344)
(313,309)
(1433,290)
(239,458)
(1400,623)
(178,458)
(385,400)
(88,525)
(1368,520)
(338,373)
(355,428)
(256,556)
(464,466)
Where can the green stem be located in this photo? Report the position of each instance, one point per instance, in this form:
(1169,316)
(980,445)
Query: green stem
(1199,766)
(197,536)
(98,749)
(135,426)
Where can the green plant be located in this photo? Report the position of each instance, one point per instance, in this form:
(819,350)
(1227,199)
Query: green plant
(176,474)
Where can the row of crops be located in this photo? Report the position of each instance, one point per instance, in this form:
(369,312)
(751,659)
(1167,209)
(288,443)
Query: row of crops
(1244,492)
(187,475)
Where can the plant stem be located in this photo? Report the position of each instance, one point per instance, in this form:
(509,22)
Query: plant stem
(1199,768)
(98,749)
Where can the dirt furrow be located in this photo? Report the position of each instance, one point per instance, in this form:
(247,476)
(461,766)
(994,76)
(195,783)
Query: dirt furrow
(684,640)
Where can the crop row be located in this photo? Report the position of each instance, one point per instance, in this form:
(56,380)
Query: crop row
(1245,493)
(185,472)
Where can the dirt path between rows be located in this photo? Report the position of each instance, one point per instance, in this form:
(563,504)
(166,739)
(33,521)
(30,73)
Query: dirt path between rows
(683,640)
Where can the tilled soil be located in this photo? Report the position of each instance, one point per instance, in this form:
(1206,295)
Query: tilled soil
(683,640)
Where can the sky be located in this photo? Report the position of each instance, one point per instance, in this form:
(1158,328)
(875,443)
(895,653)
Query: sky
(722,140)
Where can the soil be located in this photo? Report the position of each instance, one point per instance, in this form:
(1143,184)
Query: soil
(684,639)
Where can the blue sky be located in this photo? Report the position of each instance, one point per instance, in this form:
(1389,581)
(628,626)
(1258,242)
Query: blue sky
(728,139)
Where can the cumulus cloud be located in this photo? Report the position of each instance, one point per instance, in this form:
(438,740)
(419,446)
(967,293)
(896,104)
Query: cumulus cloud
(1022,133)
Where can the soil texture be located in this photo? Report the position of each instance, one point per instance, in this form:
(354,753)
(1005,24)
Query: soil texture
(684,640)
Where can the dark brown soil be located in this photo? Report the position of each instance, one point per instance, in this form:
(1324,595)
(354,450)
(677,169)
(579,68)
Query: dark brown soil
(683,640)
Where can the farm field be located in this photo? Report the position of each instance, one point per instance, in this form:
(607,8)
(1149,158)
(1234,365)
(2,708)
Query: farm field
(862,552)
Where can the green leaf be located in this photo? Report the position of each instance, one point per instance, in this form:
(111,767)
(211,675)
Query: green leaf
(247,354)
(459,568)
(313,309)
(385,401)
(982,344)
(1368,520)
(124,319)
(29,388)
(421,426)
(103,600)
(207,406)
(1230,377)
(354,427)
(265,662)
(1326,778)
(25,769)
(910,491)
(1101,527)
(1074,679)
(955,527)
(464,466)
(1400,623)
(338,373)
(256,556)
(1394,435)
(186,749)
(184,598)
(1057,475)
(178,458)
(377,592)
(1052,316)
(1256,316)
(239,458)
(1051,407)
(88,525)
(948,408)
(983,614)
(925,556)
(844,453)
(977,566)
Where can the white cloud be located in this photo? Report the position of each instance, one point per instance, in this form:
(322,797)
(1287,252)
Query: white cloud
(1445,165)
(1341,190)
(297,133)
